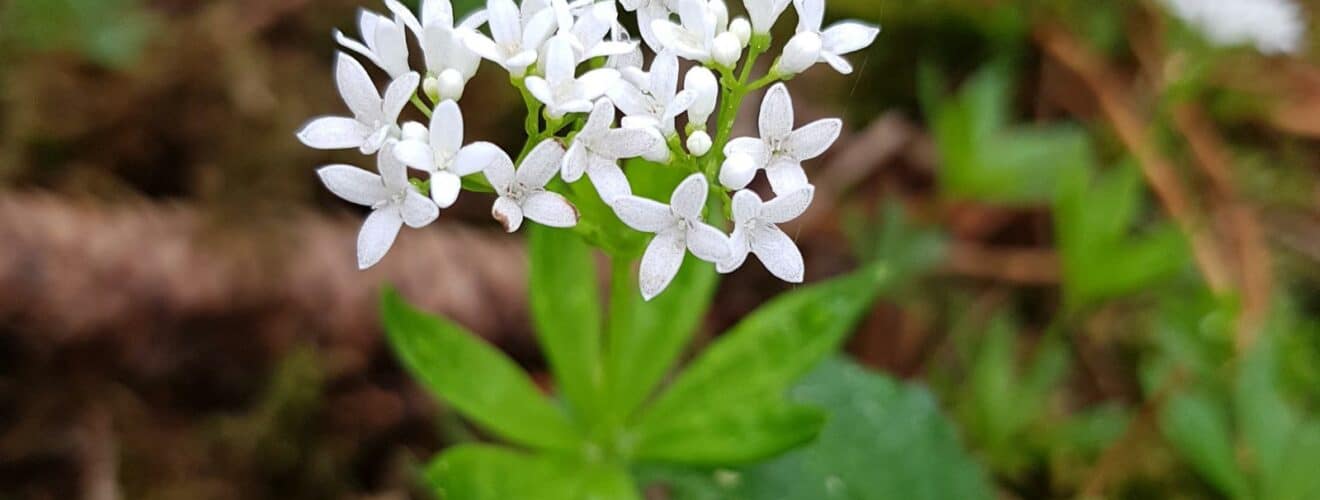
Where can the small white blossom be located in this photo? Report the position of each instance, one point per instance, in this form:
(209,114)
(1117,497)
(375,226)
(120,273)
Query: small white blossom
(800,53)
(384,42)
(374,118)
(699,143)
(560,90)
(443,155)
(522,192)
(1272,26)
(836,41)
(742,29)
(678,229)
(703,21)
(705,89)
(589,23)
(516,35)
(780,150)
(647,12)
(652,99)
(756,231)
(450,64)
(764,13)
(393,201)
(597,149)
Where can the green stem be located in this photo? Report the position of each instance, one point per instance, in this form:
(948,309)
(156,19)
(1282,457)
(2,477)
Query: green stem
(421,106)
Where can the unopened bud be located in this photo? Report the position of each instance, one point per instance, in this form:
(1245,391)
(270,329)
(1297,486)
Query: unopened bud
(737,171)
(802,51)
(431,87)
(699,143)
(728,49)
(741,28)
(451,85)
(706,88)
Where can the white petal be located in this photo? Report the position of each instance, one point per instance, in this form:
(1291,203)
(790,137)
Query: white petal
(334,132)
(445,187)
(377,236)
(689,198)
(629,99)
(708,243)
(538,29)
(786,177)
(660,263)
(594,83)
(357,47)
(644,214)
(540,89)
(625,143)
(600,119)
(848,37)
(475,157)
(550,209)
(447,127)
(737,171)
(392,171)
(500,173)
(560,64)
(575,162)
(764,13)
(418,210)
(397,96)
(392,48)
(609,49)
(682,42)
(415,154)
(484,47)
(776,118)
(746,206)
(508,213)
(505,22)
(609,180)
(738,250)
(811,13)
(401,11)
(778,253)
(837,62)
(814,138)
(683,101)
(517,64)
(353,184)
(357,89)
(787,207)
(541,164)
(664,76)
(750,146)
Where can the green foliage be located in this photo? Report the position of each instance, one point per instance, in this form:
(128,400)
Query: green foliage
(1102,256)
(985,158)
(728,408)
(108,32)
(907,249)
(883,440)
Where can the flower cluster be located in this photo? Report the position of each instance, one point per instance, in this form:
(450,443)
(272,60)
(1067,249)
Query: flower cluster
(578,68)
(1271,26)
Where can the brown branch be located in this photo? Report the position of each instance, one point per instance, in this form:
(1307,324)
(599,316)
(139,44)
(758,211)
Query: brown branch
(1118,105)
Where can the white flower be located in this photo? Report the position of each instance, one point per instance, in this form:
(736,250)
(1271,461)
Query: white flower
(764,13)
(588,24)
(450,64)
(703,22)
(597,149)
(647,12)
(1272,26)
(678,228)
(756,231)
(384,42)
(393,201)
(652,99)
(780,150)
(560,90)
(516,35)
(842,38)
(801,51)
(522,193)
(374,119)
(445,157)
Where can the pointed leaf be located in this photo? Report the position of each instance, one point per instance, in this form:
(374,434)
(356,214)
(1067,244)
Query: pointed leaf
(741,435)
(565,303)
(484,472)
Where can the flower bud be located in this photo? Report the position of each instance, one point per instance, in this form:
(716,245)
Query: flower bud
(413,131)
(451,85)
(431,87)
(737,171)
(701,82)
(802,51)
(741,28)
(699,143)
(728,49)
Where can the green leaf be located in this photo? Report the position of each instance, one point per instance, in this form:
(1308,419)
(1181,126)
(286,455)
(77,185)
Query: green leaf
(80,25)
(565,303)
(475,378)
(883,441)
(731,437)
(1296,477)
(766,352)
(646,338)
(483,472)
(1197,426)
(1266,420)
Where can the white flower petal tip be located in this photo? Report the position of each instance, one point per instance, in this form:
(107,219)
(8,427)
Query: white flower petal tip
(678,230)
(756,232)
(393,200)
(522,193)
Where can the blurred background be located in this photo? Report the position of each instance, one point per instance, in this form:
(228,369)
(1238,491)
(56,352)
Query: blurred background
(1105,218)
